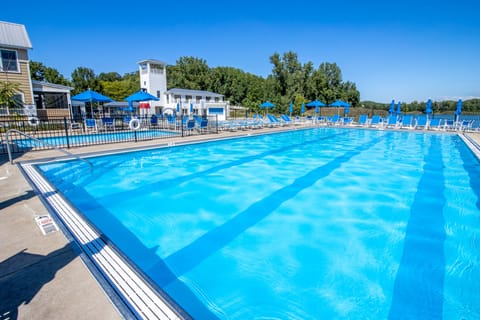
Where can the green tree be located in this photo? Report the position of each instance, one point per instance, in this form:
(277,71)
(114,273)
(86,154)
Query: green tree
(109,76)
(84,79)
(189,72)
(8,90)
(40,72)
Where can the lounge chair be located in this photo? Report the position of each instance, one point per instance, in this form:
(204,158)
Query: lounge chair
(108,123)
(407,122)
(91,125)
(434,124)
(362,119)
(190,125)
(375,122)
(273,120)
(449,125)
(285,119)
(392,122)
(335,120)
(465,125)
(154,121)
(421,122)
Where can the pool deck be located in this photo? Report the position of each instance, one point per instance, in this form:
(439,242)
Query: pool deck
(43,276)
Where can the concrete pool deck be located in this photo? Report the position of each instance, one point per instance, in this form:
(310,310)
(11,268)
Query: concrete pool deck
(43,276)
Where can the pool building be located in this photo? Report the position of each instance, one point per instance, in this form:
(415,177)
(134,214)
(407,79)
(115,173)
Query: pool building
(153,79)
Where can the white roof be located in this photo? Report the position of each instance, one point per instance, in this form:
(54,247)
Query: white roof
(44,86)
(193,92)
(14,35)
(151,61)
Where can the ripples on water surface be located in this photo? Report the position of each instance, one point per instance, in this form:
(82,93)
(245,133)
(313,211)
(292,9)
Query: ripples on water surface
(310,224)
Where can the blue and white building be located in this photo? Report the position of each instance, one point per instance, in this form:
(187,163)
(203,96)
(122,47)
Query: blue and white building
(153,79)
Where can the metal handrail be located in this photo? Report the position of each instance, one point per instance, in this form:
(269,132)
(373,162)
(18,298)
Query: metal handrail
(42,142)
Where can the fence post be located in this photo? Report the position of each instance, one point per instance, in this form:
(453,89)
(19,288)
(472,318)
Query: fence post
(66,131)
(181,125)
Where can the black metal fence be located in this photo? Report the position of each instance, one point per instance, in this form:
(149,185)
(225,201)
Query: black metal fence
(67,133)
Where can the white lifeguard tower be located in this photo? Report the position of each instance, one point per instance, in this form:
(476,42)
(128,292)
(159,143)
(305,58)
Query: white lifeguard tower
(153,79)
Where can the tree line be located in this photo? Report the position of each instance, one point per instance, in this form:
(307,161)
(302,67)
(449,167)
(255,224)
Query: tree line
(289,81)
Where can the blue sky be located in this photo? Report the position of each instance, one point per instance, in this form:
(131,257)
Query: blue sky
(403,50)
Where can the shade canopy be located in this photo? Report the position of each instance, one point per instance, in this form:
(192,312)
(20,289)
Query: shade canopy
(267,104)
(316,104)
(399,108)
(141,96)
(91,96)
(340,103)
(392,107)
(428,108)
(459,107)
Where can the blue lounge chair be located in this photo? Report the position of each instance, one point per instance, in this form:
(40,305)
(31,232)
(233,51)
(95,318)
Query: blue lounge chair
(190,125)
(362,119)
(153,121)
(91,125)
(286,119)
(391,122)
(375,122)
(407,121)
(421,122)
(108,123)
(434,123)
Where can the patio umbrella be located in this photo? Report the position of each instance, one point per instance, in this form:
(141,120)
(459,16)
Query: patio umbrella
(178,107)
(141,96)
(191,108)
(399,108)
(267,104)
(392,107)
(91,96)
(303,108)
(340,103)
(428,108)
(459,109)
(317,104)
(291,108)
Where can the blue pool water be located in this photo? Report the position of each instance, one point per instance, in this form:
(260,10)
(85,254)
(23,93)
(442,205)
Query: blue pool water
(61,141)
(311,224)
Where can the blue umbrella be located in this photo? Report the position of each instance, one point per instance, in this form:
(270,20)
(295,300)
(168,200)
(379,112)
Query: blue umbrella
(340,103)
(191,107)
(91,96)
(141,96)
(399,108)
(459,107)
(267,104)
(428,109)
(178,107)
(291,107)
(392,107)
(316,104)
(303,108)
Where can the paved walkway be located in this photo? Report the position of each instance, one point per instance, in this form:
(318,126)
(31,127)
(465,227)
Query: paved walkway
(42,277)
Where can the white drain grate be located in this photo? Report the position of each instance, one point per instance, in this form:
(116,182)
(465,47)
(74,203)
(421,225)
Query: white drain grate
(46,224)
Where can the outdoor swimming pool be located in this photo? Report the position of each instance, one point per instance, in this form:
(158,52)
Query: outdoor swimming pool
(309,224)
(82,139)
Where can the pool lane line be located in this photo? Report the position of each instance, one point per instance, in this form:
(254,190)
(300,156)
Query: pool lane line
(419,282)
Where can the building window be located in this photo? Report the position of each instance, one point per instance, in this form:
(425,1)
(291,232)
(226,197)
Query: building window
(158,94)
(9,60)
